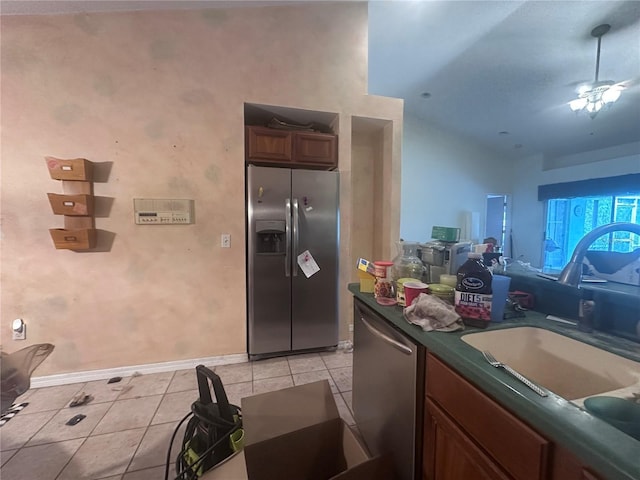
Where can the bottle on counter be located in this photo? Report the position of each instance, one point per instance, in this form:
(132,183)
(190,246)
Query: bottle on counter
(586,309)
(473,292)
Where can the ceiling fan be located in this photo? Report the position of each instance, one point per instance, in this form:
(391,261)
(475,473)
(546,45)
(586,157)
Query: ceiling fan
(595,95)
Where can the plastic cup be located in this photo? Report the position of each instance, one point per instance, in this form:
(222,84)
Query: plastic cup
(413,289)
(500,287)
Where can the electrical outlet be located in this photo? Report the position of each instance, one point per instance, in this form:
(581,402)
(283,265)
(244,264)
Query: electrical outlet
(351,327)
(225,240)
(19,329)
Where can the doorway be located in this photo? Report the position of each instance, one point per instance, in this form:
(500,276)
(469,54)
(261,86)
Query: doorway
(496,221)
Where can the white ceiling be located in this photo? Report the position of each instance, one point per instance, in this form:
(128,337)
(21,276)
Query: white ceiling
(509,66)
(490,66)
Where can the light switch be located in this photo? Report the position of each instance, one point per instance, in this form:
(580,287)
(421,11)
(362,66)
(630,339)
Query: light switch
(225,240)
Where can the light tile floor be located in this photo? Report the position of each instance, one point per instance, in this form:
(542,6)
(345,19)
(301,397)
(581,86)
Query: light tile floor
(128,425)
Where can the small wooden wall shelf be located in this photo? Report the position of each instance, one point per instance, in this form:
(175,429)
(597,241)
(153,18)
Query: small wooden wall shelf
(64,238)
(76,204)
(80,204)
(76,170)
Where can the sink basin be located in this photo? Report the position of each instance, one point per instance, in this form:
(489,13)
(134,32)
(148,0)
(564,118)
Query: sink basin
(570,368)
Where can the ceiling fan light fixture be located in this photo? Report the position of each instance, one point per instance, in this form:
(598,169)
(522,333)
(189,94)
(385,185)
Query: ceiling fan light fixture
(593,96)
(594,107)
(578,104)
(611,95)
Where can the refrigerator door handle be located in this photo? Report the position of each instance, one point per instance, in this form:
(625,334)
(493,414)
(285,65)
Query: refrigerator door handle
(296,234)
(383,336)
(287,235)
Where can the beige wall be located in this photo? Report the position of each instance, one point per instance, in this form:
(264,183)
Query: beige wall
(158,98)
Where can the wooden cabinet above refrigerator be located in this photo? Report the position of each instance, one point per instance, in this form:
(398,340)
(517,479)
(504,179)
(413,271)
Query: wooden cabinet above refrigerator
(293,149)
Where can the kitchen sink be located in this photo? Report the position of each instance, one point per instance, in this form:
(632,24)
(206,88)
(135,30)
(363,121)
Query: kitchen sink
(571,369)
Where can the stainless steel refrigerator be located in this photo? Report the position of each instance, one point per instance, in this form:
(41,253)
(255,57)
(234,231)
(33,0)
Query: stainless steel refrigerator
(291,213)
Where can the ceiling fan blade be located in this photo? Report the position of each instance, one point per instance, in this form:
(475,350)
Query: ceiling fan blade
(630,83)
(577,83)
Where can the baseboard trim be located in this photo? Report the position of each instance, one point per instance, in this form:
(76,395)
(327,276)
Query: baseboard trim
(91,375)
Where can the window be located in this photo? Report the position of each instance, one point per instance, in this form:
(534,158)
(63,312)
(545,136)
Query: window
(569,219)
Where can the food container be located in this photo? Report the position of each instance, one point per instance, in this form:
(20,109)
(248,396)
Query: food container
(383,287)
(447,279)
(400,297)
(367,281)
(445,292)
(381,268)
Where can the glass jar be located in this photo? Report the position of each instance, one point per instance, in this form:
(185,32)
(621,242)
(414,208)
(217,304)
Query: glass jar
(407,264)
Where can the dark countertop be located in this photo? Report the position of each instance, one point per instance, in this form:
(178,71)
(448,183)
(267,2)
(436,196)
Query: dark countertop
(609,451)
(617,304)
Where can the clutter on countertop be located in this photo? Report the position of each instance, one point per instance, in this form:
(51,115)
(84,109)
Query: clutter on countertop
(433,313)
(383,288)
(367,281)
(445,234)
(447,279)
(443,291)
(473,292)
(406,264)
(413,289)
(400,296)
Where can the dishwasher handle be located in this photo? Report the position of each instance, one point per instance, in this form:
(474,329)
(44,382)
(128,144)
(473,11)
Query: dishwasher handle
(383,336)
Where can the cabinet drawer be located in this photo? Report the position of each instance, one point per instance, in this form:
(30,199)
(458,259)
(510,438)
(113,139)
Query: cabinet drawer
(77,169)
(71,204)
(520,450)
(83,239)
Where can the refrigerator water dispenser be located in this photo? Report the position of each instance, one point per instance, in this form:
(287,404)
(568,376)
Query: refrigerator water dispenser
(270,236)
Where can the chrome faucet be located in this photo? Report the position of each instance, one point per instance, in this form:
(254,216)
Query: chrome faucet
(572,272)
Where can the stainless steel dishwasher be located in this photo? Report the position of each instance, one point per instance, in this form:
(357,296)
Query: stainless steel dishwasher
(388,390)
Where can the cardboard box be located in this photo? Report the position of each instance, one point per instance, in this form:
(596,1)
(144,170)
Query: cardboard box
(297,433)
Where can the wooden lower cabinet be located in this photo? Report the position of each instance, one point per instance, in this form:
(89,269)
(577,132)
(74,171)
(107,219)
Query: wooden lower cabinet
(469,436)
(450,454)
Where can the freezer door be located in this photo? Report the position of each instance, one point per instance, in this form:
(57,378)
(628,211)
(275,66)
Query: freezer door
(314,321)
(268,277)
